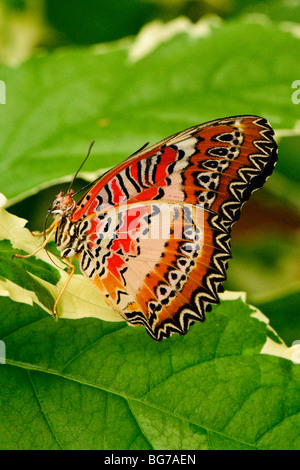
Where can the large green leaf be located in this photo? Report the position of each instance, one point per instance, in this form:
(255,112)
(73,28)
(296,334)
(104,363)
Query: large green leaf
(81,95)
(93,384)
(84,383)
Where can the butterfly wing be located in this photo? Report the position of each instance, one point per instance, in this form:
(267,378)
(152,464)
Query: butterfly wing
(158,225)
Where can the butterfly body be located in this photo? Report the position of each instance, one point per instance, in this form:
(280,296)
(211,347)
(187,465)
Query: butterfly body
(153,234)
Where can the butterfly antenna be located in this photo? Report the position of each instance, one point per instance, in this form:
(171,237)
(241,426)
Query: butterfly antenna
(87,156)
(87,186)
(99,177)
(139,150)
(45,223)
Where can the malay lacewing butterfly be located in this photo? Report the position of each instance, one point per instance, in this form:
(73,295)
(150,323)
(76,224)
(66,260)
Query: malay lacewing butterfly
(153,233)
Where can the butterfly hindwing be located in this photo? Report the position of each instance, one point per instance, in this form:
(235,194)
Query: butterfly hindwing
(158,225)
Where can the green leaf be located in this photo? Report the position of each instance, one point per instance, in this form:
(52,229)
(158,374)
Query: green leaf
(98,385)
(32,265)
(19,276)
(102,94)
(230,383)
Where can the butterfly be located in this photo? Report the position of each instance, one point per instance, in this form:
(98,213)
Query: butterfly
(153,233)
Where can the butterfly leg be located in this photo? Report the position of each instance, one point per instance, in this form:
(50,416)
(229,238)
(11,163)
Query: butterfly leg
(71,269)
(47,239)
(39,234)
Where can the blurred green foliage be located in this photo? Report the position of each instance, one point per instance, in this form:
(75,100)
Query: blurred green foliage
(92,21)
(95,21)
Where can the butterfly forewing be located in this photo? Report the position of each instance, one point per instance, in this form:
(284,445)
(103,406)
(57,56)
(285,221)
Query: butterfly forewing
(156,228)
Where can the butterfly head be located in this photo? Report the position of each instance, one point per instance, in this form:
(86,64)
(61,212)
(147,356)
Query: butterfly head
(63,205)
